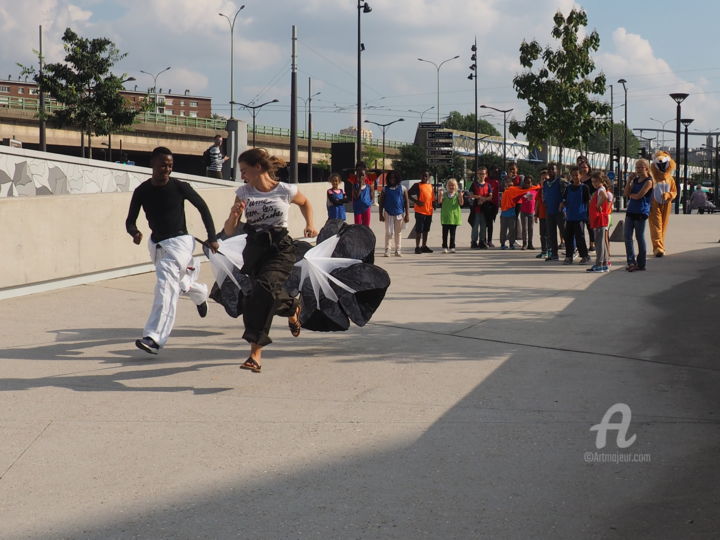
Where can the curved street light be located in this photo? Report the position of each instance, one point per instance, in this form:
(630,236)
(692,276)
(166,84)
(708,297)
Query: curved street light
(253,109)
(437,68)
(661,142)
(232,51)
(155,78)
(421,113)
(504,113)
(384,127)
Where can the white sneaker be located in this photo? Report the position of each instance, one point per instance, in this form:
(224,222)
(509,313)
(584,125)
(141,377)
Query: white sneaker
(445,250)
(387,253)
(452,250)
(398,254)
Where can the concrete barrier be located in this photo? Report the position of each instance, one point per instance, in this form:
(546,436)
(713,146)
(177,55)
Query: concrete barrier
(50,241)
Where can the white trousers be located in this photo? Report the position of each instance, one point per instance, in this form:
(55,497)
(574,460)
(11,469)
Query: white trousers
(393,230)
(177,273)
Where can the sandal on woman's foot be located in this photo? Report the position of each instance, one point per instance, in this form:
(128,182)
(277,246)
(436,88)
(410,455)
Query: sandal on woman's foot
(295,326)
(252,365)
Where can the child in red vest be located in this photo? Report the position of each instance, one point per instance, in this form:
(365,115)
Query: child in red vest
(599,216)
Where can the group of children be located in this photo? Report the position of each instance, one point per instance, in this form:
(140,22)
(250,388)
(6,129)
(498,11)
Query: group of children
(558,206)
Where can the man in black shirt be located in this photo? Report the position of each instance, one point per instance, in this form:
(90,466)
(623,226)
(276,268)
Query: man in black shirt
(171,247)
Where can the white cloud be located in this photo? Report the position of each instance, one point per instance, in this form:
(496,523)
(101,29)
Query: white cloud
(651,79)
(19,23)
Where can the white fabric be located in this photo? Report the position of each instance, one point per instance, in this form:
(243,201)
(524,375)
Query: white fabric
(393,229)
(317,265)
(229,255)
(267,209)
(177,274)
(659,189)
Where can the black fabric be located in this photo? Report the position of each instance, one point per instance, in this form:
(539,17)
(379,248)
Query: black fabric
(574,231)
(356,241)
(448,229)
(165,210)
(268,260)
(371,283)
(273,281)
(423,222)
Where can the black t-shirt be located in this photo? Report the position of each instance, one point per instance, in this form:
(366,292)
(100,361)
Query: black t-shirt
(165,210)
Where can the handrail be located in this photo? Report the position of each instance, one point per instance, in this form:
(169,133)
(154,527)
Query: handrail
(148,117)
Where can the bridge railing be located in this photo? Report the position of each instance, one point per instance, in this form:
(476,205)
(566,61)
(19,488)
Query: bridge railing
(148,117)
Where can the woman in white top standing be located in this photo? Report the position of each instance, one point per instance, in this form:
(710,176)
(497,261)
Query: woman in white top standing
(269,255)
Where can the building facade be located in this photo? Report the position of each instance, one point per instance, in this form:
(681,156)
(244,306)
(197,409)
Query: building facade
(24,94)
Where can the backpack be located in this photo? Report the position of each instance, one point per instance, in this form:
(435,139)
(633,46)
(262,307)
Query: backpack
(206,157)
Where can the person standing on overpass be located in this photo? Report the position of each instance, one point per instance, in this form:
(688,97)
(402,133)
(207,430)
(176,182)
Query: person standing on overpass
(214,158)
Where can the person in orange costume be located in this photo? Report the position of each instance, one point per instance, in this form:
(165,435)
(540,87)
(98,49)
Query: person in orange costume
(664,192)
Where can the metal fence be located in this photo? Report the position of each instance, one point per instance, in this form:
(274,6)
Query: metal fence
(33,104)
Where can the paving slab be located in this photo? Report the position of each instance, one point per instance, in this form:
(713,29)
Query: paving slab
(462,410)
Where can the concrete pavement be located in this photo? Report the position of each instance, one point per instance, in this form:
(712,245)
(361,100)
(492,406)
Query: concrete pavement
(462,410)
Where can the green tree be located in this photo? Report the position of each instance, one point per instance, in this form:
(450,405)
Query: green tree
(372,156)
(560,107)
(466,122)
(600,142)
(412,161)
(85,86)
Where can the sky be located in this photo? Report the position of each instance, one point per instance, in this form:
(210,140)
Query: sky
(658,46)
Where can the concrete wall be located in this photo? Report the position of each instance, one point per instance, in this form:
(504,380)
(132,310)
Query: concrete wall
(49,240)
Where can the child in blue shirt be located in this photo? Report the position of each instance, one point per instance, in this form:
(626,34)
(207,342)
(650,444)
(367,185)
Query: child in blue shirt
(336,199)
(575,202)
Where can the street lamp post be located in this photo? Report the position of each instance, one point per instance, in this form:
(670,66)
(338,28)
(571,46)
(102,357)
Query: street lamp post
(625,142)
(363,7)
(308,129)
(155,78)
(504,112)
(253,109)
(717,168)
(473,76)
(232,54)
(677,98)
(437,68)
(384,128)
(685,122)
(661,141)
(305,103)
(421,113)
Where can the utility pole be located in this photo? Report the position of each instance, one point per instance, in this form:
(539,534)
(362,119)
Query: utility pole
(42,136)
(309,134)
(293,113)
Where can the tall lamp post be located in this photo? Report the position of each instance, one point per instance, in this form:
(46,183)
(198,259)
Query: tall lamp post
(437,68)
(305,103)
(384,128)
(504,112)
(421,113)
(362,7)
(625,130)
(155,78)
(677,98)
(685,122)
(232,54)
(308,129)
(254,109)
(473,76)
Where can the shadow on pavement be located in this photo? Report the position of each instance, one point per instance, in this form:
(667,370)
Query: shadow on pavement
(507,461)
